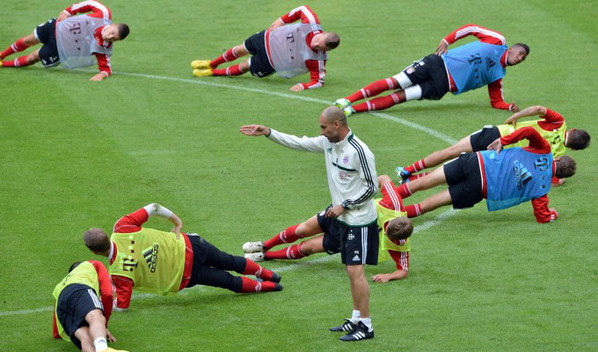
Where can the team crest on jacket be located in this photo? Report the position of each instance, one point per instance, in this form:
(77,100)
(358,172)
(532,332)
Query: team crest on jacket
(346,159)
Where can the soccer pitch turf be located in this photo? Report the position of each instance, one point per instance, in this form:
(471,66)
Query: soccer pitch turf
(79,154)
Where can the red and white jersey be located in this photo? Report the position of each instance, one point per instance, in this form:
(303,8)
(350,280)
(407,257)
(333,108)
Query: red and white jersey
(489,36)
(392,200)
(315,67)
(98,10)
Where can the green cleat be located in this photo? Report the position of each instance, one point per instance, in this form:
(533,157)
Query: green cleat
(202,73)
(197,64)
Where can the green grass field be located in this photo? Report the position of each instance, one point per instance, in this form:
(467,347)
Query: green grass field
(77,154)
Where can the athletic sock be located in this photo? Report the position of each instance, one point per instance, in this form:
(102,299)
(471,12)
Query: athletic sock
(404,190)
(372,89)
(15,47)
(20,62)
(367,322)
(416,176)
(251,286)
(416,166)
(285,236)
(100,344)
(291,252)
(229,55)
(251,268)
(355,316)
(379,103)
(413,210)
(229,71)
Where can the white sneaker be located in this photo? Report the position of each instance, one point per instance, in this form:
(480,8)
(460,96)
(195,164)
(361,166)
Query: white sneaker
(342,103)
(256,257)
(252,247)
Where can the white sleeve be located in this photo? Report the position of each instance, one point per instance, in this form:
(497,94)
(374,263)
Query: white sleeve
(310,144)
(157,209)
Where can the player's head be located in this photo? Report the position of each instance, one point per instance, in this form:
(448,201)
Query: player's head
(97,241)
(399,228)
(565,167)
(325,41)
(517,54)
(333,124)
(577,139)
(115,31)
(75,264)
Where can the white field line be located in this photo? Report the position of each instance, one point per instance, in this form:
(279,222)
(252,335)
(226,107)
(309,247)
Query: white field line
(428,224)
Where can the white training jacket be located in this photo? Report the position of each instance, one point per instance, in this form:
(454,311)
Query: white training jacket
(351,169)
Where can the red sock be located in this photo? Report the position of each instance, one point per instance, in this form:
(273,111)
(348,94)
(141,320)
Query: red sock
(285,236)
(226,57)
(416,176)
(416,166)
(373,89)
(379,103)
(15,47)
(20,62)
(251,268)
(404,190)
(229,71)
(290,252)
(251,286)
(413,210)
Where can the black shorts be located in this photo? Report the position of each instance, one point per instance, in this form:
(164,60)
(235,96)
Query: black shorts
(332,233)
(430,74)
(46,33)
(359,245)
(259,65)
(481,139)
(74,302)
(464,178)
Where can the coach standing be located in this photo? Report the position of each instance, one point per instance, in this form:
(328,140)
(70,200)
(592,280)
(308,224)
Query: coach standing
(352,181)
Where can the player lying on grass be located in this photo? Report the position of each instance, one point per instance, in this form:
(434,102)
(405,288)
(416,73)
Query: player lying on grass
(394,227)
(467,67)
(73,41)
(551,127)
(82,307)
(166,262)
(504,179)
(286,48)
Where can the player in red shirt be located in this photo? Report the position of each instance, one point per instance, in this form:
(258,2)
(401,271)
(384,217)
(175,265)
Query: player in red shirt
(429,78)
(397,230)
(45,33)
(80,312)
(552,127)
(286,48)
(200,261)
(467,177)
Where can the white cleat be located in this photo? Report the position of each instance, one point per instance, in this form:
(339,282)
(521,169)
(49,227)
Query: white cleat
(252,247)
(348,111)
(342,103)
(256,257)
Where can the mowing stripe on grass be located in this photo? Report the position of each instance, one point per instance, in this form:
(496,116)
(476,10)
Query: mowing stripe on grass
(438,219)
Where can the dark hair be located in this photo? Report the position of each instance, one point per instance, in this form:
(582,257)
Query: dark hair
(332,40)
(399,228)
(565,167)
(578,139)
(75,264)
(524,46)
(96,240)
(123,31)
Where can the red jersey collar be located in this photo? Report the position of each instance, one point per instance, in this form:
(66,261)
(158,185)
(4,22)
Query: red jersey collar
(97,34)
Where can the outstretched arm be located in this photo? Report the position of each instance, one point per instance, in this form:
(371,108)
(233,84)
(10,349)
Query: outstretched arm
(395,275)
(314,144)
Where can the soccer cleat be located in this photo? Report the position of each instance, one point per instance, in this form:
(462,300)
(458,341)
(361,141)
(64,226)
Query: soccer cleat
(403,174)
(203,72)
(0,63)
(275,277)
(342,103)
(255,257)
(361,332)
(197,64)
(252,247)
(347,326)
(349,111)
(277,287)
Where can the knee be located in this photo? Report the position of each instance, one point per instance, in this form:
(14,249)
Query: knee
(95,317)
(355,272)
(239,50)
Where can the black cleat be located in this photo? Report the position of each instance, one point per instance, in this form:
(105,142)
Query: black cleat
(275,277)
(347,326)
(277,287)
(361,332)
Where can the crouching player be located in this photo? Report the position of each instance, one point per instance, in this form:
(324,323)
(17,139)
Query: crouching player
(394,226)
(83,303)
